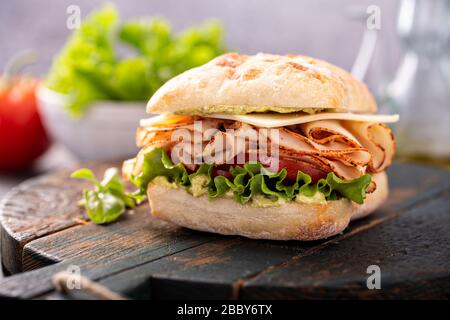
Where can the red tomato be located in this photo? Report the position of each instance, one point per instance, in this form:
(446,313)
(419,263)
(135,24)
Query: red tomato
(293,165)
(222,171)
(22,136)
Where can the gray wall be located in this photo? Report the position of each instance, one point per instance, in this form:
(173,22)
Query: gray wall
(320,28)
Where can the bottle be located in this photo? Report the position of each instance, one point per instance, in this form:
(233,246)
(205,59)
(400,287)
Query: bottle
(420,90)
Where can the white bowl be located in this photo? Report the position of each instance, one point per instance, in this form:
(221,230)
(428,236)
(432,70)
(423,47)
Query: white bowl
(106,132)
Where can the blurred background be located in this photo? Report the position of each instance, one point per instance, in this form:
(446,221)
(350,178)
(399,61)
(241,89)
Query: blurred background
(405,63)
(321,28)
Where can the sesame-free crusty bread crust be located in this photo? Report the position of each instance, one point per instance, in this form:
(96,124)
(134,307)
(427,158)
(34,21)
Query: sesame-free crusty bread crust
(290,221)
(235,83)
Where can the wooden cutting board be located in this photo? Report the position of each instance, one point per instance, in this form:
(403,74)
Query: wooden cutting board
(43,231)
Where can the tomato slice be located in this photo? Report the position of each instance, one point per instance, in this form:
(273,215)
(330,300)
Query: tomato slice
(222,170)
(224,173)
(292,166)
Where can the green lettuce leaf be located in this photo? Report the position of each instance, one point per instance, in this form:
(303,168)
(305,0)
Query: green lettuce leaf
(249,180)
(109,59)
(352,189)
(109,199)
(157,163)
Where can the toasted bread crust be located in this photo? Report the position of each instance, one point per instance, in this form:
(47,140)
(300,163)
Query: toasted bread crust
(262,82)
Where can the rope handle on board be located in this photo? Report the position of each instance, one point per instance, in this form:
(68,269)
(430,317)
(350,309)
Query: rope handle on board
(61,282)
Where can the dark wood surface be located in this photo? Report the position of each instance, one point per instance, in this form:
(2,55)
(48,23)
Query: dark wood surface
(44,231)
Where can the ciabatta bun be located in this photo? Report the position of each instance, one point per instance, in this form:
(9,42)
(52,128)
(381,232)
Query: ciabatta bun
(289,221)
(239,84)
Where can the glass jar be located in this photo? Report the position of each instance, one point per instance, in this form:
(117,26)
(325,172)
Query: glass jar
(420,90)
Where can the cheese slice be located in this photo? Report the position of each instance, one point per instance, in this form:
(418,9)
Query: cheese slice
(273,120)
(160,119)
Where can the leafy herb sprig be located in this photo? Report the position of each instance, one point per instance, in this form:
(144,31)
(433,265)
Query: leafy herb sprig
(109,199)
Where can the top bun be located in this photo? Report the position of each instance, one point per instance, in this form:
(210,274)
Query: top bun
(238,84)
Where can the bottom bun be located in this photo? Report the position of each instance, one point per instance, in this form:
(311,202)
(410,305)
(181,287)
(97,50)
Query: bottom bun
(289,221)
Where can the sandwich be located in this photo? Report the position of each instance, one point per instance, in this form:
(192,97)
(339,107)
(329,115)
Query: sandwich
(263,146)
